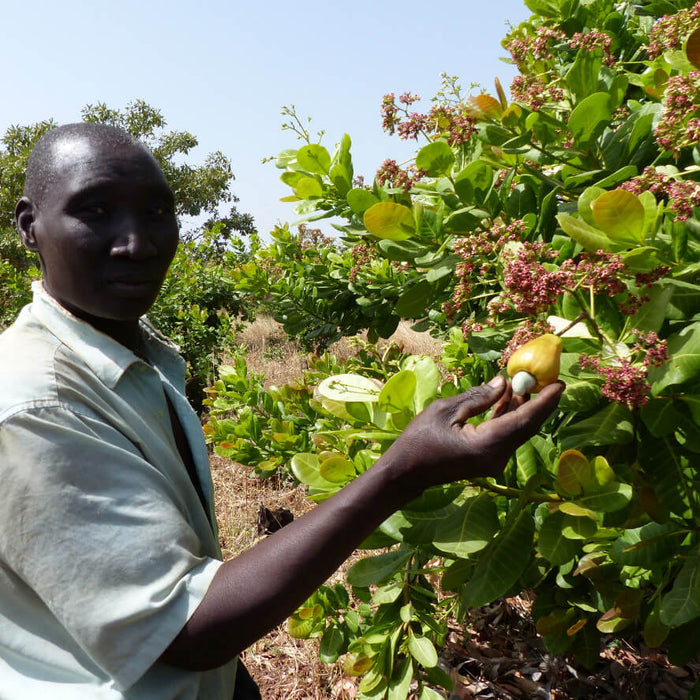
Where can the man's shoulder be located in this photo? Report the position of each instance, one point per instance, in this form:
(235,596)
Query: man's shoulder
(27,364)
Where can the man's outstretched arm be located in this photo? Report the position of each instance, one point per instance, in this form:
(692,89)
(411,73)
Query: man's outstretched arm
(257,590)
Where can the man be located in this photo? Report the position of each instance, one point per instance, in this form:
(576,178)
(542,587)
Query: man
(111,584)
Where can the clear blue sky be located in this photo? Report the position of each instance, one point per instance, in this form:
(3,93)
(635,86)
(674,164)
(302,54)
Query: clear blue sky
(223,69)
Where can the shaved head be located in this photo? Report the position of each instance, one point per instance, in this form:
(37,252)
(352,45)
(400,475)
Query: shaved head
(70,143)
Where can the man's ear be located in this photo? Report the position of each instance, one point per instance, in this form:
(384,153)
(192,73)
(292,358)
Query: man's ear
(25,215)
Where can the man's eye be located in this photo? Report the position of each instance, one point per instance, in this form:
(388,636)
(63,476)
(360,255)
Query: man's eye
(94,209)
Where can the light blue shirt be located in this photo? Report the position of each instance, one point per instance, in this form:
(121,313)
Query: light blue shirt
(105,548)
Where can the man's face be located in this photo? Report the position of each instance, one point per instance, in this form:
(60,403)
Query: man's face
(105,230)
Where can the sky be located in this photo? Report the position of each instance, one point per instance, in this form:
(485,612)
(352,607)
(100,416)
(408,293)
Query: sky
(223,70)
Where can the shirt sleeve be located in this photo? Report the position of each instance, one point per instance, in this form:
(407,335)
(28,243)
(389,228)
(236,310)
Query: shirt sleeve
(101,536)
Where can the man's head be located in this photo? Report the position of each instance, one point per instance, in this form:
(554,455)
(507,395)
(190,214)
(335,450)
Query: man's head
(98,211)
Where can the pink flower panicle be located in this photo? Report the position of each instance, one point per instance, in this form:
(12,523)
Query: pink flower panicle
(679,126)
(670,31)
(479,252)
(590,41)
(362,255)
(680,195)
(391,175)
(534,92)
(624,383)
(529,47)
(455,122)
(654,351)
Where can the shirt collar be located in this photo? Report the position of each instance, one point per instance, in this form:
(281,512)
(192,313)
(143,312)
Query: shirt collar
(107,358)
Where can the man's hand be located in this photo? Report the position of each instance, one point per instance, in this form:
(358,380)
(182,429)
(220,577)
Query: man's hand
(439,445)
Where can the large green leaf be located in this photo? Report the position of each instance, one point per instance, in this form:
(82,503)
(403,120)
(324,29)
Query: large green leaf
(502,562)
(474,182)
(661,416)
(349,387)
(390,220)
(314,158)
(648,545)
(413,302)
(422,650)
(682,603)
(375,569)
(551,542)
(591,238)
(332,644)
(620,214)
(684,363)
(436,158)
(427,379)
(469,527)
(360,200)
(613,497)
(590,117)
(611,426)
(663,466)
(397,394)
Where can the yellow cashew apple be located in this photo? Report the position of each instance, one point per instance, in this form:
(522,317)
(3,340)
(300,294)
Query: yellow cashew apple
(535,364)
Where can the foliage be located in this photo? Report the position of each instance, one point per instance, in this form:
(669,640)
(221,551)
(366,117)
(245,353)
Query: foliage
(199,307)
(571,208)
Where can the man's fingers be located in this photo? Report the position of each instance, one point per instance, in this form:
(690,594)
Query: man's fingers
(521,424)
(478,399)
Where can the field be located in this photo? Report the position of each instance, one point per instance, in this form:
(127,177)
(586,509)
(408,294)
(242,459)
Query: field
(496,654)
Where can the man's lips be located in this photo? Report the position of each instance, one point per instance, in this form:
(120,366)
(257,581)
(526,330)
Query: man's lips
(133,285)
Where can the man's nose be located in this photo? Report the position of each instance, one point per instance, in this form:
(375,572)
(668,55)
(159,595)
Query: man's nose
(134,240)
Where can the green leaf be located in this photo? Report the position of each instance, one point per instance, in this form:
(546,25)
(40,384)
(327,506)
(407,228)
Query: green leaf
(648,545)
(390,220)
(397,394)
(400,683)
(436,158)
(407,250)
(684,365)
(583,76)
(661,462)
(574,472)
(620,215)
(308,187)
(360,199)
(427,380)
(473,183)
(682,603)
(614,497)
(337,469)
(332,644)
(552,544)
(422,650)
(376,569)
(661,417)
(469,528)
(349,387)
(590,117)
(611,426)
(341,178)
(591,238)
(413,303)
(314,158)
(502,562)
(306,468)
